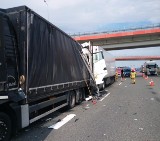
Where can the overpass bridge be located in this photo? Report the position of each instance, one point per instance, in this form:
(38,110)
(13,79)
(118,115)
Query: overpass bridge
(123,39)
(128,58)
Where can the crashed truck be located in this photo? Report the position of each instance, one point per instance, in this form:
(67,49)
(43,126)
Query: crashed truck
(102,64)
(42,69)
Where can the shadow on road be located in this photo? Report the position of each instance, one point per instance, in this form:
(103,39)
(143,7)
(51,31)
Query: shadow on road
(39,130)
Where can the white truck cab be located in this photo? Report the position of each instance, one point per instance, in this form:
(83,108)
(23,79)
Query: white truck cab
(103,65)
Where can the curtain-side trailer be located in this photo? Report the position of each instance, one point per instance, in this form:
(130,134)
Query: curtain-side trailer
(41,69)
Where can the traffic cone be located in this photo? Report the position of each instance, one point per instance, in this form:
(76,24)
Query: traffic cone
(94,101)
(146,77)
(143,75)
(151,83)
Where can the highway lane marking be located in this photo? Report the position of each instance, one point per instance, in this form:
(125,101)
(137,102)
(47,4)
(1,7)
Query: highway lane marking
(105,97)
(62,122)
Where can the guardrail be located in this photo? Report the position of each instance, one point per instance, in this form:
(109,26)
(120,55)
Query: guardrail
(118,30)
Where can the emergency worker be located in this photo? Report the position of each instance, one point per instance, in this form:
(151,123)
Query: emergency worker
(116,76)
(122,75)
(133,76)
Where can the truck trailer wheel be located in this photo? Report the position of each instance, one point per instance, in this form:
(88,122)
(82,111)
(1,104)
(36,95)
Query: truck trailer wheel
(72,100)
(5,127)
(79,96)
(103,85)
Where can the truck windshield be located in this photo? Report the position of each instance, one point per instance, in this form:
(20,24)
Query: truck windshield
(97,57)
(152,66)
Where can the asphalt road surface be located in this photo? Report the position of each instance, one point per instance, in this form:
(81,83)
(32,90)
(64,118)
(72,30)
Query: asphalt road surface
(125,112)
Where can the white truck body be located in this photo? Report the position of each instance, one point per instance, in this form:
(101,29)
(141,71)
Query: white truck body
(104,68)
(150,68)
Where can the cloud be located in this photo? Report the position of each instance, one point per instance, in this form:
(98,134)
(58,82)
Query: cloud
(74,16)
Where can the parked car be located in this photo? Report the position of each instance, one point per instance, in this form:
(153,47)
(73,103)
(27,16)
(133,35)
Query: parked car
(127,72)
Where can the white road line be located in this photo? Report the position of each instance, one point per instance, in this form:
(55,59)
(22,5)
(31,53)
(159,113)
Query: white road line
(62,122)
(120,83)
(105,97)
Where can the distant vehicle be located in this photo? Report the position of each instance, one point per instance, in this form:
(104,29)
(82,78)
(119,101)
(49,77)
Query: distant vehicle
(142,69)
(103,66)
(150,68)
(127,71)
(118,70)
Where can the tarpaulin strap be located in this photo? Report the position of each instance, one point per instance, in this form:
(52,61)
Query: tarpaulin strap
(89,73)
(87,67)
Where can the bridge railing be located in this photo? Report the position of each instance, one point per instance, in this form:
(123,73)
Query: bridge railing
(118,30)
(137,58)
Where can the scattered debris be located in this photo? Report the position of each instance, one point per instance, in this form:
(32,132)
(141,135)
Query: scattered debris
(89,98)
(140,128)
(48,119)
(76,119)
(27,130)
(94,101)
(134,113)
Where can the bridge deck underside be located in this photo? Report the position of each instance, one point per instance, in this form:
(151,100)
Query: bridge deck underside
(126,40)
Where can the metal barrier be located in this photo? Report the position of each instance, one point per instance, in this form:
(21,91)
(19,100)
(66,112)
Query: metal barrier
(118,30)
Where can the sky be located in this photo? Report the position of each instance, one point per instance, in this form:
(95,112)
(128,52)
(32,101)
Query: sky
(150,51)
(82,16)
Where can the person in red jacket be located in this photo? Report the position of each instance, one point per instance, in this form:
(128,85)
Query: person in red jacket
(122,75)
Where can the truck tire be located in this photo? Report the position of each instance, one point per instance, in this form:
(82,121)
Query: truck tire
(5,127)
(72,100)
(103,85)
(79,96)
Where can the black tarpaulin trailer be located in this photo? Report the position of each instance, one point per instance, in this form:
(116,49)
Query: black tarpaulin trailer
(43,69)
(49,58)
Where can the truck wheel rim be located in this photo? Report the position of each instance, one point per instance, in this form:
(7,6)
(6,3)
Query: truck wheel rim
(103,86)
(3,130)
(73,100)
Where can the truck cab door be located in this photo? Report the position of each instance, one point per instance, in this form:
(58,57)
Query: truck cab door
(10,48)
(8,54)
(3,72)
